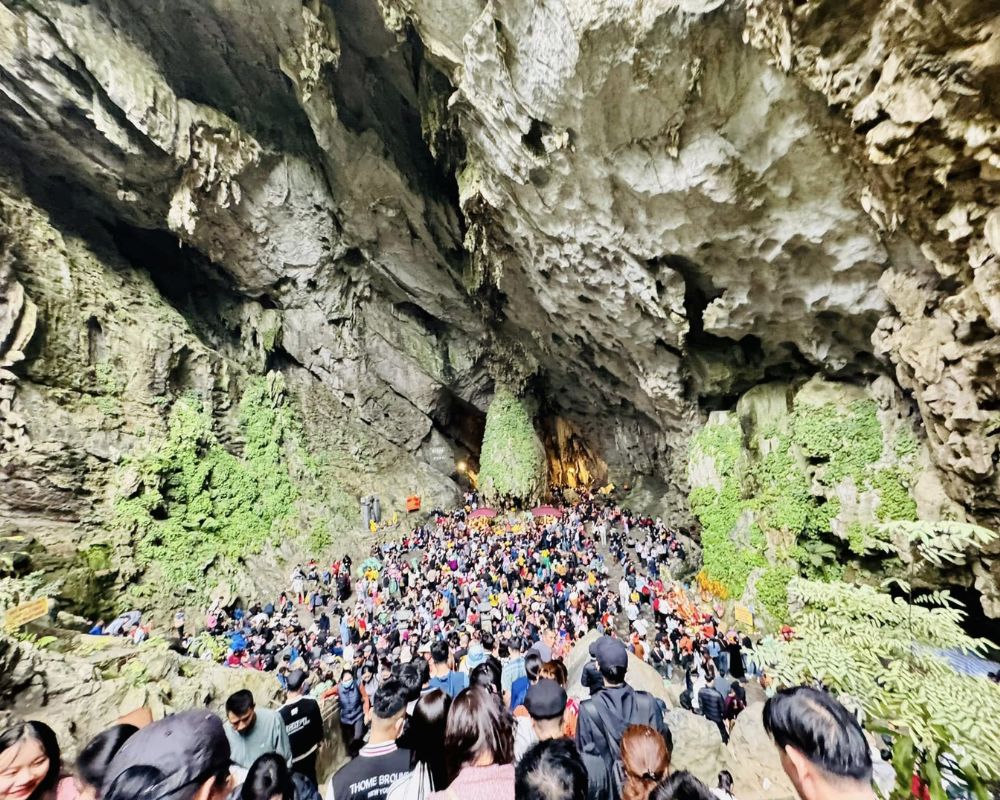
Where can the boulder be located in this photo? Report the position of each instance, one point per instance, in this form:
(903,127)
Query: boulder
(754,761)
(698,746)
(639,676)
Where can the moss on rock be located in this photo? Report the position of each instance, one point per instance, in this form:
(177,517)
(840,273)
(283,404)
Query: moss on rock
(199,502)
(512,459)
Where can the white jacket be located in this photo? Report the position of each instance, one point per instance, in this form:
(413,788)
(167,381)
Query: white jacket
(417,785)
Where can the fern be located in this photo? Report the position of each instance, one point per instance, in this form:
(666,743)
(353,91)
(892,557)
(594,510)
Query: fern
(886,654)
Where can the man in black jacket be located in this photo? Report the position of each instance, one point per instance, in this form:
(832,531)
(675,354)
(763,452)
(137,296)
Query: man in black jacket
(713,706)
(605,716)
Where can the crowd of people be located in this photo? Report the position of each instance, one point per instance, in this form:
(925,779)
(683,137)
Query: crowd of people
(435,747)
(445,651)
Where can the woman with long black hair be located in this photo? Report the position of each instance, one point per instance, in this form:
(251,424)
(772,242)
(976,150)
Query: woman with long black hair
(29,762)
(424,738)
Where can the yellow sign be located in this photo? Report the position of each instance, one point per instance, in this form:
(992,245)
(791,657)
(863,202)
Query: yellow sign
(743,615)
(26,612)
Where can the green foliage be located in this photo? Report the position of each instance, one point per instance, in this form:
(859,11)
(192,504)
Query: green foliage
(848,442)
(857,538)
(719,510)
(772,590)
(905,444)
(884,654)
(215,646)
(786,484)
(512,460)
(111,386)
(940,543)
(320,537)
(134,672)
(894,500)
(200,501)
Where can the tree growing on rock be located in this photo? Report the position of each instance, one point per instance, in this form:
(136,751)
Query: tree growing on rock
(512,460)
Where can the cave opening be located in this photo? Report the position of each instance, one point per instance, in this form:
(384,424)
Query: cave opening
(96,346)
(182,275)
(462,425)
(572,459)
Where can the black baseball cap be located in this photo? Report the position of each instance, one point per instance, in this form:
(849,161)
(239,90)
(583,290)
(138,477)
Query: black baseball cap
(188,748)
(611,653)
(545,699)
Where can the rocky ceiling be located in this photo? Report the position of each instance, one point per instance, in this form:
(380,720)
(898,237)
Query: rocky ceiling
(635,210)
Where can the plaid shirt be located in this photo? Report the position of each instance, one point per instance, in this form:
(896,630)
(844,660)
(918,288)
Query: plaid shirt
(512,670)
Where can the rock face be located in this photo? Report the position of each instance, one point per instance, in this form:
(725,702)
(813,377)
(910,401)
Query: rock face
(634,213)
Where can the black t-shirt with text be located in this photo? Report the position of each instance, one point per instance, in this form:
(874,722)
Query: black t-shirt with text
(369,776)
(304,724)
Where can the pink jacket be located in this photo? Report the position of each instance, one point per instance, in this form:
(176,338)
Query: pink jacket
(480,783)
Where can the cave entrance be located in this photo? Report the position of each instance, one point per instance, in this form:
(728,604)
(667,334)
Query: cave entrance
(461,425)
(572,461)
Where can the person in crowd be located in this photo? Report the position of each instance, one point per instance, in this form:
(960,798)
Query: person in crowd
(645,761)
(475,657)
(551,770)
(303,724)
(713,705)
(546,703)
(184,756)
(479,748)
(532,669)
(605,716)
(724,790)
(556,670)
(544,645)
(95,757)
(380,763)
(442,676)
(682,785)
(423,738)
(353,709)
(736,703)
(591,678)
(253,731)
(513,668)
(488,676)
(269,778)
(30,764)
(822,747)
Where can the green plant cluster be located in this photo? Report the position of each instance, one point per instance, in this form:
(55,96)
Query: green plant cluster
(200,502)
(718,511)
(111,386)
(512,459)
(772,589)
(886,655)
(789,503)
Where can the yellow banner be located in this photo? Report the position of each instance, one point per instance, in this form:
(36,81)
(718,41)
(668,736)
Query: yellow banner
(743,615)
(26,612)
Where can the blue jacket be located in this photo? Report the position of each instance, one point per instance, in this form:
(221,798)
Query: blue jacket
(351,708)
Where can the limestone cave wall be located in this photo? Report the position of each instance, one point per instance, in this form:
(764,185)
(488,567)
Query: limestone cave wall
(633,212)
